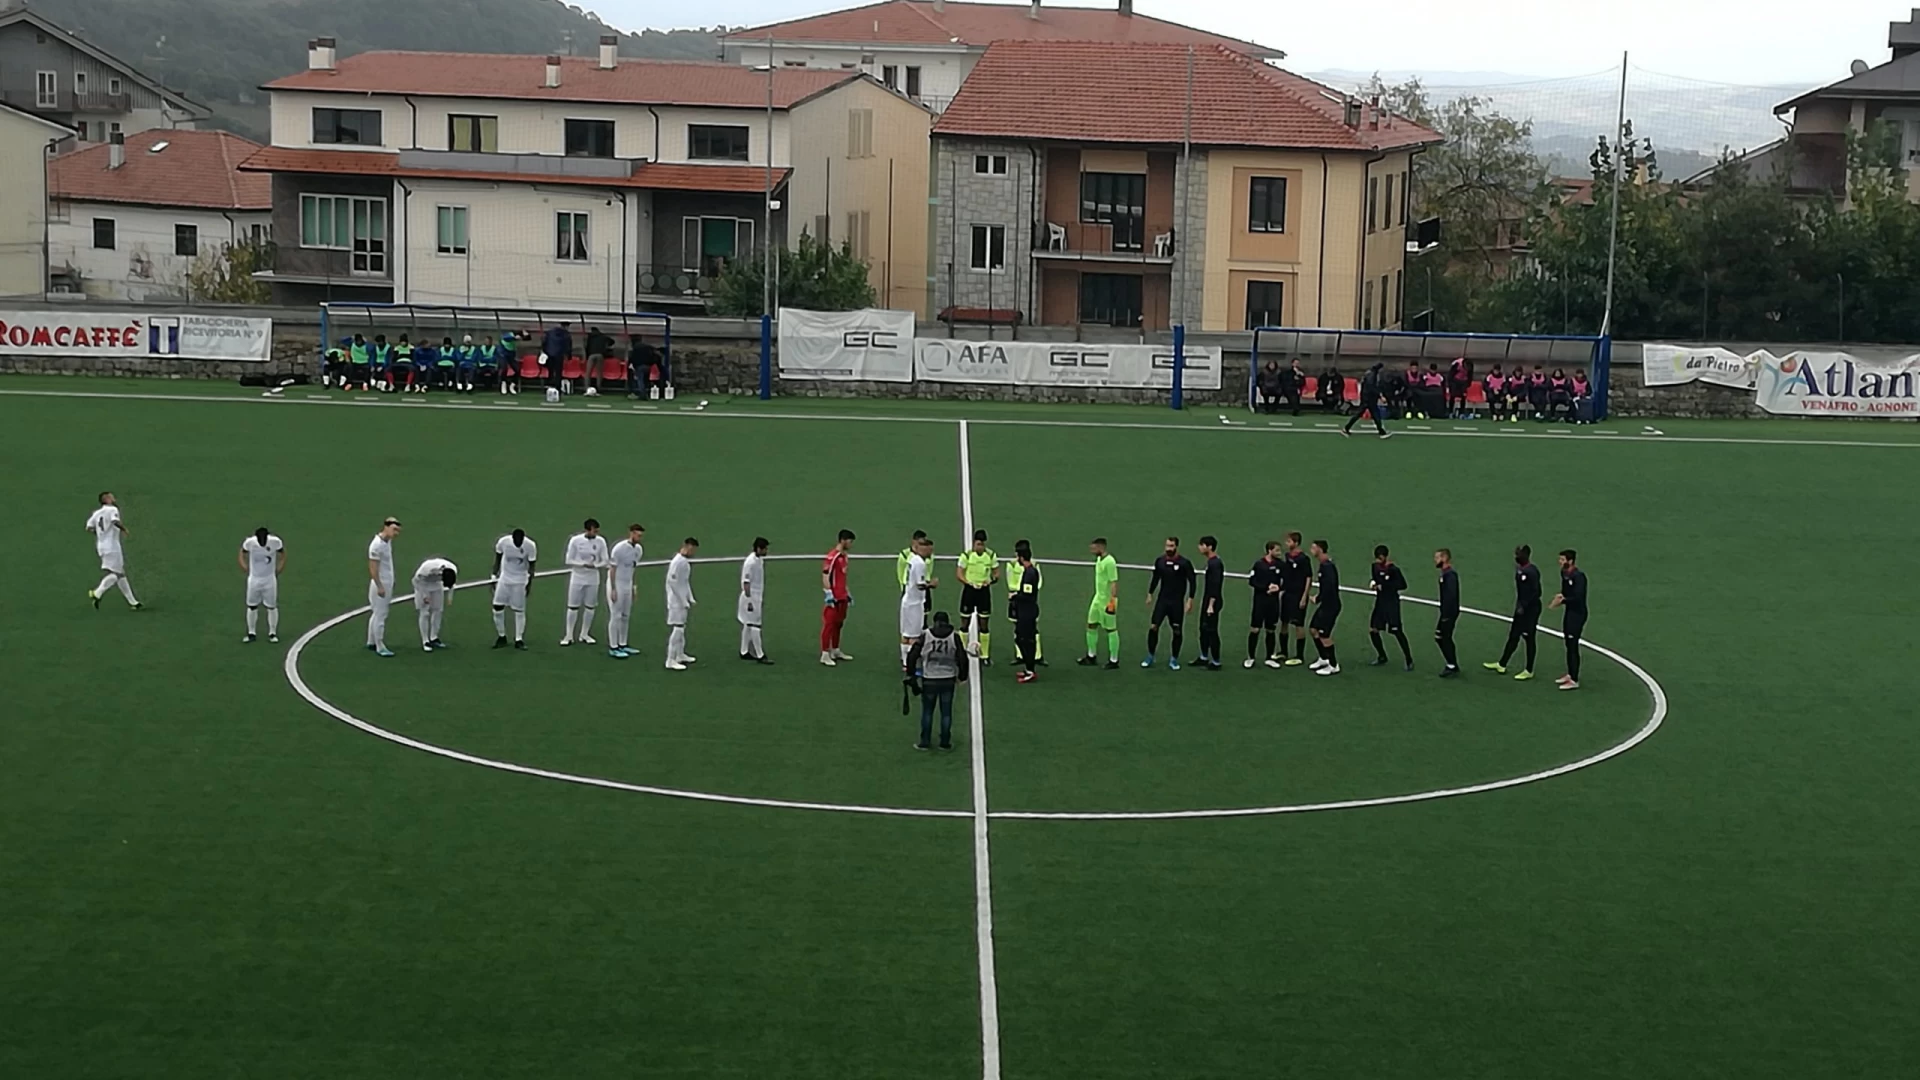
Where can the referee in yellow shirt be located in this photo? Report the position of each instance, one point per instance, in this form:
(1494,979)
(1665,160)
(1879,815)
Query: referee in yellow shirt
(979,569)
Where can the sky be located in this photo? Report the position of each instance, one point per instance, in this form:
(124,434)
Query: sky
(1749,42)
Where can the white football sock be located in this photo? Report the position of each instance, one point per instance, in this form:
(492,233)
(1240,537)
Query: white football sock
(273,621)
(573,616)
(519,626)
(253,620)
(500,622)
(126,590)
(105,584)
(425,619)
(676,644)
(746,640)
(439,613)
(753,637)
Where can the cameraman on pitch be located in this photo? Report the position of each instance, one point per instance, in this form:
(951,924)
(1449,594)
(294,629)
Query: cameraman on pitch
(937,663)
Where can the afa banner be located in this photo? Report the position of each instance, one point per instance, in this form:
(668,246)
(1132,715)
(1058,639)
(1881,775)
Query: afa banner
(135,337)
(1039,363)
(872,345)
(1675,365)
(1836,384)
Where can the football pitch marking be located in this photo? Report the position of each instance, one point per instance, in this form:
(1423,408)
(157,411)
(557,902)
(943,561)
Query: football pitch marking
(982,863)
(510,405)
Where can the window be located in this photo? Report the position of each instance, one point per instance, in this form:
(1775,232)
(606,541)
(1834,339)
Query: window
(103,233)
(1119,200)
(1390,203)
(1366,305)
(1399,296)
(1263,304)
(113,128)
(259,235)
(590,138)
(113,85)
(859,226)
(46,89)
(1267,206)
(347,223)
(570,228)
(474,134)
(1110,299)
(989,248)
(357,127)
(913,82)
(990,164)
(79,82)
(708,245)
(890,76)
(1406,198)
(716,142)
(793,63)
(859,133)
(1386,301)
(1373,204)
(186,240)
(450,230)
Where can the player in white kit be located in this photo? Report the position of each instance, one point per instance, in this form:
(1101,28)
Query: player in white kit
(263,556)
(913,599)
(432,592)
(586,557)
(751,605)
(107,530)
(680,602)
(624,557)
(513,558)
(380,585)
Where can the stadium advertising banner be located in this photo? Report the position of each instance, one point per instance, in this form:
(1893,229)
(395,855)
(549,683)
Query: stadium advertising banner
(1676,365)
(1039,363)
(135,337)
(1836,384)
(872,345)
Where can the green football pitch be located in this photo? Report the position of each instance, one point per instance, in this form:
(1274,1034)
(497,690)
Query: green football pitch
(301,860)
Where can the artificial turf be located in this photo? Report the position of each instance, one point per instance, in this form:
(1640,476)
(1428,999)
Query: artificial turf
(207,877)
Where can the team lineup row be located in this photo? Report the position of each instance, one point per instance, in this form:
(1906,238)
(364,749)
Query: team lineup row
(1291,589)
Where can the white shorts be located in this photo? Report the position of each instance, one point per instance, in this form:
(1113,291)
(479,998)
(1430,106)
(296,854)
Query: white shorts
(510,594)
(429,595)
(676,616)
(624,605)
(263,593)
(747,618)
(913,618)
(583,593)
(115,563)
(377,602)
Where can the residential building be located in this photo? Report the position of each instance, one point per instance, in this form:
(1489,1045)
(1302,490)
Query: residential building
(1260,198)
(129,220)
(25,142)
(926,48)
(1813,155)
(58,76)
(589,182)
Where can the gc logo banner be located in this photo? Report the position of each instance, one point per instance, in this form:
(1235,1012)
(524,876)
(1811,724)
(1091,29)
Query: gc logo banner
(870,339)
(862,346)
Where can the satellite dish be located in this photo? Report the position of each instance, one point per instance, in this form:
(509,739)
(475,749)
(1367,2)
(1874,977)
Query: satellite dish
(1858,67)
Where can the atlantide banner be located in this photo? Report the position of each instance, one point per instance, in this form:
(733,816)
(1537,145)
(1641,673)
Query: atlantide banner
(1836,384)
(1039,363)
(871,345)
(1676,365)
(135,337)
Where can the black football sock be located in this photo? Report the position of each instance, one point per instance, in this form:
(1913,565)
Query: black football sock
(1253,643)
(1153,641)
(1179,641)
(1406,650)
(1530,646)
(1379,649)
(1332,657)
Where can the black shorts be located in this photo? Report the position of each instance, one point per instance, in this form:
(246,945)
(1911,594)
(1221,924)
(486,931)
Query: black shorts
(1574,626)
(1324,616)
(1174,613)
(1444,628)
(1266,612)
(976,599)
(1526,622)
(1385,618)
(1291,613)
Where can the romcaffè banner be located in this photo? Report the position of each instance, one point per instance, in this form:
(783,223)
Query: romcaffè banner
(135,337)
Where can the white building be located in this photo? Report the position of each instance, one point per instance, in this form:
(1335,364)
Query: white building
(562,182)
(925,49)
(129,220)
(61,76)
(25,142)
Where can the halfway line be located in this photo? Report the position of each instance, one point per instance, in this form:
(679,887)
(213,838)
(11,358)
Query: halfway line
(982,864)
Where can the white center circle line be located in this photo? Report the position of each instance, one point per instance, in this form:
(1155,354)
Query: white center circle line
(1645,732)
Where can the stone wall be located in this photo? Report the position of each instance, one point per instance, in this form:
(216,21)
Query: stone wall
(1628,397)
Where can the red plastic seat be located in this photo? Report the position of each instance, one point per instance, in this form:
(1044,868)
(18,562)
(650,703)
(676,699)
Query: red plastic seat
(573,368)
(529,365)
(615,368)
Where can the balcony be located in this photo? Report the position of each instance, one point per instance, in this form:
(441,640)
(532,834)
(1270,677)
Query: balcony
(112,104)
(531,166)
(1125,240)
(674,281)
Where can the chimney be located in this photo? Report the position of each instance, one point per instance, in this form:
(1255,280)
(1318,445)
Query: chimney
(553,72)
(609,52)
(116,150)
(1351,115)
(939,6)
(1126,9)
(321,53)
(1034,11)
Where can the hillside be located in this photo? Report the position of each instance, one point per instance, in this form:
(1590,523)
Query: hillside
(220,51)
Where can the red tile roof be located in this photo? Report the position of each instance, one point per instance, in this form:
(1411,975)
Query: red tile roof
(917,22)
(740,179)
(1102,92)
(195,168)
(632,82)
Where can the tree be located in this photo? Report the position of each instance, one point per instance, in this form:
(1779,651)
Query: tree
(817,276)
(226,276)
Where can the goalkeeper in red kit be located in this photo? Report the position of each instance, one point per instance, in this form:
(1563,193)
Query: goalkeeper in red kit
(835,600)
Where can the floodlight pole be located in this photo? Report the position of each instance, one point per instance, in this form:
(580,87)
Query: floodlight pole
(766,240)
(1179,275)
(1613,217)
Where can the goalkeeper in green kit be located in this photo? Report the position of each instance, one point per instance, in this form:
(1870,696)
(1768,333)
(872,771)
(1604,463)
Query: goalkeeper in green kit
(1102,613)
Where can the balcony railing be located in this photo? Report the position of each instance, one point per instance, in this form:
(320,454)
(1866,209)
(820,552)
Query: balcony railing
(674,281)
(102,103)
(1126,240)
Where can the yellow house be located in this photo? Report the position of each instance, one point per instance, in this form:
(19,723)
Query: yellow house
(1080,183)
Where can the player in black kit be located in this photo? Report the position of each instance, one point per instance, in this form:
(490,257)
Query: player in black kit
(1573,597)
(1170,595)
(1449,612)
(1297,574)
(1213,576)
(1327,613)
(1526,612)
(1266,579)
(1388,584)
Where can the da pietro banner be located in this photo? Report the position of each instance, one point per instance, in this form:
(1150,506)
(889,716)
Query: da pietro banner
(135,337)
(1836,384)
(1676,365)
